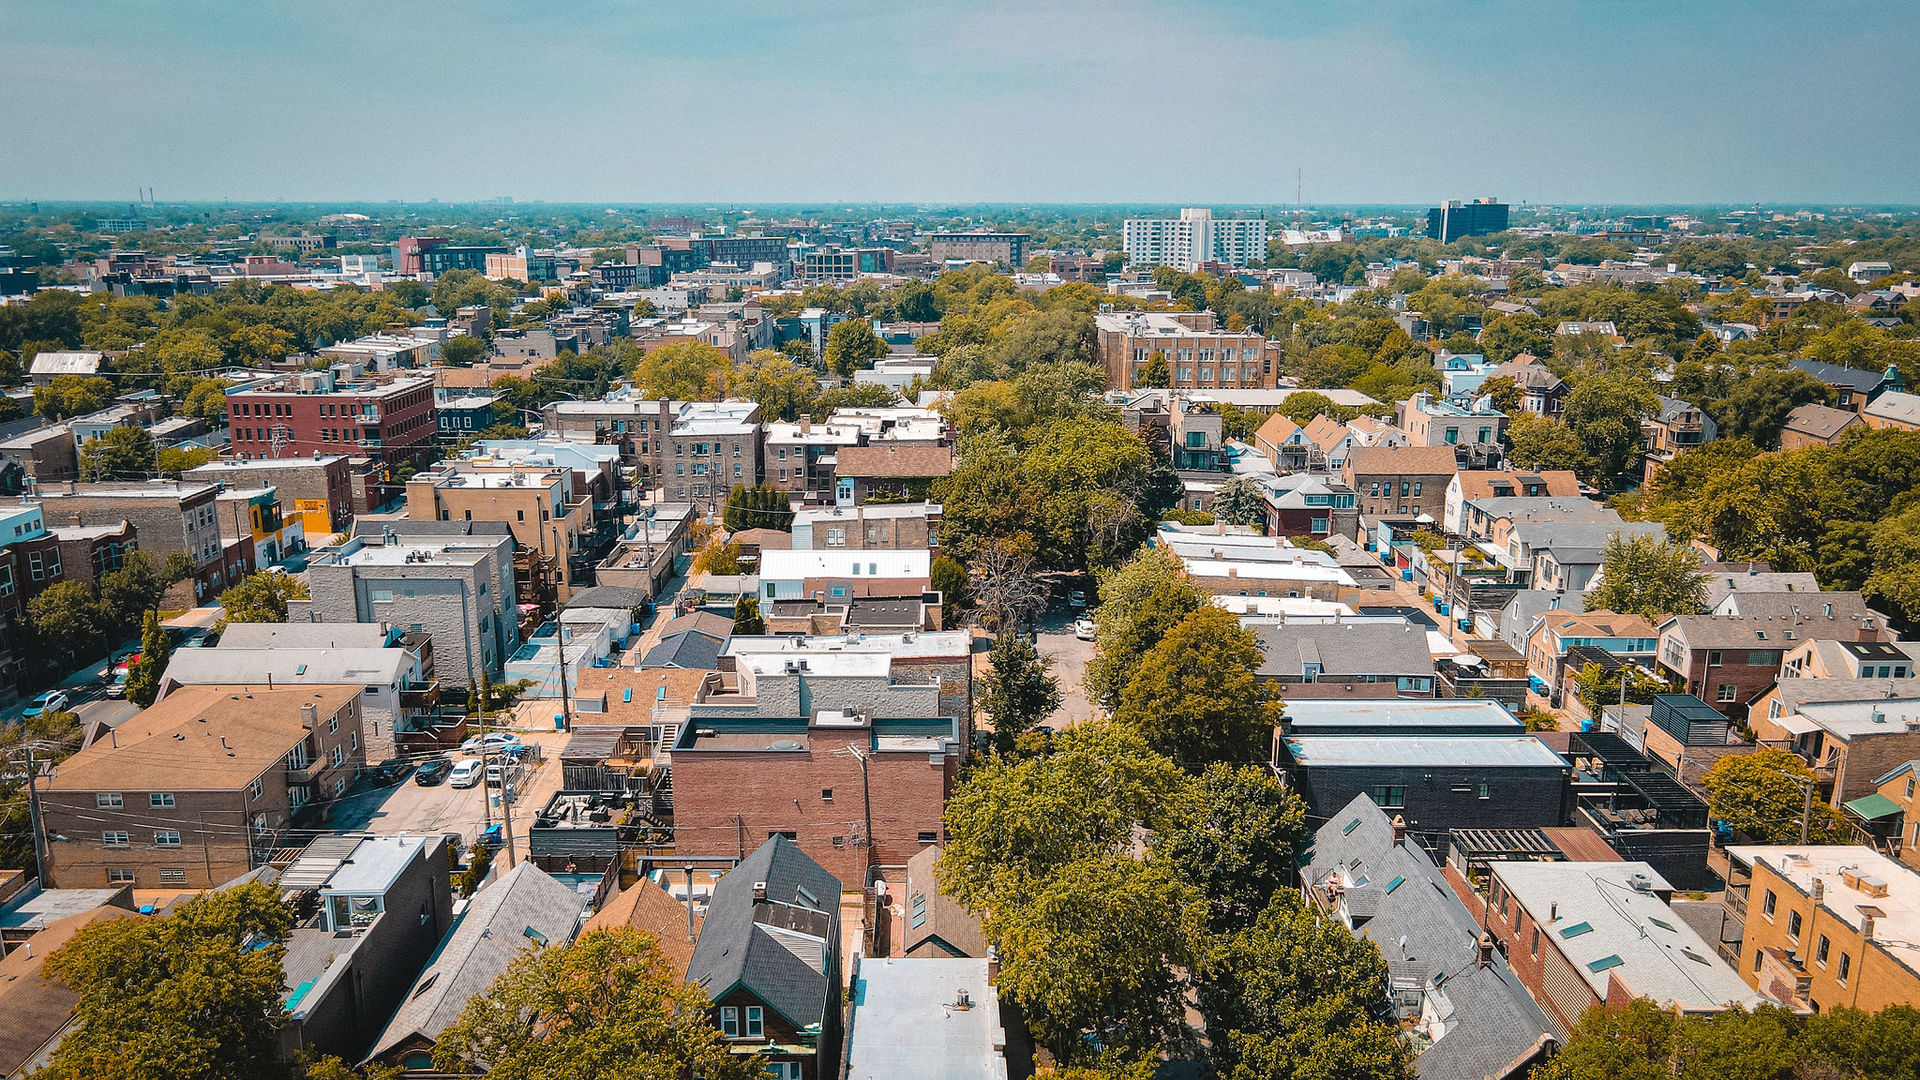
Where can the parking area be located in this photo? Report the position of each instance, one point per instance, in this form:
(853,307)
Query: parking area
(1069,656)
(405,806)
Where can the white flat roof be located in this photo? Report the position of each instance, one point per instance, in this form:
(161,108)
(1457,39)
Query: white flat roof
(906,1025)
(783,565)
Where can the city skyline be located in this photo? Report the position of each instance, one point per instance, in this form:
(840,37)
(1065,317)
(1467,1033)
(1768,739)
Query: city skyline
(1131,103)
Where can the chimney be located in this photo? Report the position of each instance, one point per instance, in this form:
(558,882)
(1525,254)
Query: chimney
(1399,825)
(309,715)
(1486,949)
(993,966)
(1866,927)
(759,891)
(1819,890)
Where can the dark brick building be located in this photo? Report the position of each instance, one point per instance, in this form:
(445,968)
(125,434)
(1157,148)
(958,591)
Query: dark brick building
(389,419)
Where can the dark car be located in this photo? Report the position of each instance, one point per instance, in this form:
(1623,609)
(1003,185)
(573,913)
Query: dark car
(432,771)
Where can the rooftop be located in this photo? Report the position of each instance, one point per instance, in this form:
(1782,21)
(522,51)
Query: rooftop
(909,1023)
(1416,751)
(200,738)
(1896,915)
(1400,715)
(1609,921)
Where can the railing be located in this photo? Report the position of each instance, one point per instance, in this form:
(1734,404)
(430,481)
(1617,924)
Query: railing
(306,772)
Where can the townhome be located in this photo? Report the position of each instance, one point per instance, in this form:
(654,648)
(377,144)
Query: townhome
(1629,637)
(1400,480)
(1728,660)
(1476,485)
(1852,387)
(198,788)
(1542,393)
(1675,429)
(1342,659)
(1284,444)
(1826,927)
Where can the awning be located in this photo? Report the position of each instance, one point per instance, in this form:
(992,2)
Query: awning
(1795,724)
(1873,807)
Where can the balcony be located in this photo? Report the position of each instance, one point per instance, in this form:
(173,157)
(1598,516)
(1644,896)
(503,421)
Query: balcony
(420,696)
(305,773)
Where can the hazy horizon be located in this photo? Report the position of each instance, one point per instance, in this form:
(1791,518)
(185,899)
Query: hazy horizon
(1135,102)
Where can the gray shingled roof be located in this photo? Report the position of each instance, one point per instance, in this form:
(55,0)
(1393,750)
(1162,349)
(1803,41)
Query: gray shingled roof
(607,596)
(736,948)
(499,922)
(1496,1023)
(1859,379)
(687,649)
(1343,649)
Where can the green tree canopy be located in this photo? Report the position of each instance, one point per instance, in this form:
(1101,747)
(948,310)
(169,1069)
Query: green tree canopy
(1195,696)
(609,1005)
(1139,602)
(1236,840)
(683,371)
(1650,577)
(121,453)
(1537,442)
(186,996)
(1241,501)
(1018,691)
(783,389)
(261,597)
(1763,794)
(143,675)
(852,345)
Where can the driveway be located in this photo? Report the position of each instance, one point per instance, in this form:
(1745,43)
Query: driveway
(405,806)
(1069,656)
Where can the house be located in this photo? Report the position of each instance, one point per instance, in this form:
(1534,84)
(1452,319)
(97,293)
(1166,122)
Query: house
(541,507)
(39,1010)
(1631,800)
(1722,582)
(1542,393)
(690,649)
(1240,562)
(27,909)
(941,658)
(1813,424)
(1568,556)
(1520,614)
(1826,927)
(931,1018)
(1586,934)
(378,907)
(1308,504)
(1346,659)
(1472,1016)
(1474,429)
(1852,387)
(644,905)
(1888,820)
(1629,637)
(1849,744)
(198,788)
(1730,659)
(1404,480)
(50,365)
(521,909)
(1474,485)
(835,575)
(1865,271)
(1284,443)
(768,958)
(896,526)
(1677,428)
(1489,779)
(891,470)
(1893,410)
(1821,658)
(935,925)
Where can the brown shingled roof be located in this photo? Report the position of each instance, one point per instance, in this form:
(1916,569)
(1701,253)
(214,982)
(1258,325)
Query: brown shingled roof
(646,906)
(891,461)
(37,1009)
(1401,460)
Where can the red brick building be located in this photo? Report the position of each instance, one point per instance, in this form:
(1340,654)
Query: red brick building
(853,791)
(319,416)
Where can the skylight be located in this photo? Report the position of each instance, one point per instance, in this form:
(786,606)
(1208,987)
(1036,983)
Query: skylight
(1576,930)
(1605,962)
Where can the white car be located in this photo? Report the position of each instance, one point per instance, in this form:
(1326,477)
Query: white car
(491,741)
(51,701)
(1083,629)
(466,773)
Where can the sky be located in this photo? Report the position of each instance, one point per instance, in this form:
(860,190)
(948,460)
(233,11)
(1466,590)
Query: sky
(1365,101)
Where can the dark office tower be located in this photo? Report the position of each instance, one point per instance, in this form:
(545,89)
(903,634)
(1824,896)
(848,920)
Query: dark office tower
(1454,219)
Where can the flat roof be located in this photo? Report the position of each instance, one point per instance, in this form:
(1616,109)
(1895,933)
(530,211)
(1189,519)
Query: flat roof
(1411,713)
(1609,921)
(1463,751)
(906,1025)
(1897,922)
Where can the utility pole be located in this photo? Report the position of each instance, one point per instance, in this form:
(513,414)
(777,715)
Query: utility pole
(1806,813)
(32,777)
(866,798)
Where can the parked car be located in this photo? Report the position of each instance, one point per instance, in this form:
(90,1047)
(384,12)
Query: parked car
(495,773)
(492,740)
(490,838)
(1083,629)
(432,771)
(465,773)
(1077,599)
(51,701)
(118,688)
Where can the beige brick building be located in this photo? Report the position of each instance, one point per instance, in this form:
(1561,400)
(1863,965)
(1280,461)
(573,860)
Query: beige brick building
(1198,353)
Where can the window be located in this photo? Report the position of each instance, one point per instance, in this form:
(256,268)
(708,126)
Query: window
(930,837)
(1486,790)
(1416,487)
(166,837)
(119,877)
(1766,904)
(1536,941)
(1758,957)
(160,799)
(338,756)
(254,790)
(1713,658)
(111,800)
(1793,925)
(173,875)
(730,1022)
(826,794)
(1846,966)
(1727,692)
(333,724)
(756,1024)
(1820,951)
(1909,787)
(113,839)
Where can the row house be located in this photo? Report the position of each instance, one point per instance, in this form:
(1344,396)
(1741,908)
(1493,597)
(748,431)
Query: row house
(1677,428)
(1406,480)
(1728,660)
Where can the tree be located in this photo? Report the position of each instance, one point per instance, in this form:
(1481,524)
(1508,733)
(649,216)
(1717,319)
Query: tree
(1757,405)
(949,578)
(683,371)
(461,351)
(1649,577)
(194,995)
(132,591)
(1643,1041)
(1763,794)
(1155,374)
(68,622)
(759,507)
(1195,696)
(719,557)
(1895,577)
(784,390)
(851,345)
(1235,840)
(1019,692)
(1299,996)
(1537,442)
(261,597)
(207,400)
(1003,582)
(1604,411)
(1503,392)
(1139,603)
(143,675)
(121,453)
(480,859)
(1090,954)
(173,462)
(1240,501)
(72,395)
(746,617)
(608,1005)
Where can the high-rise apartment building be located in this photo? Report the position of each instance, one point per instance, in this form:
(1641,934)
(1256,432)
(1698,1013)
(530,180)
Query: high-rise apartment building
(1194,238)
(1454,219)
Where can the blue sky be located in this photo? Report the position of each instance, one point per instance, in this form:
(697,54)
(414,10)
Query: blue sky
(1072,101)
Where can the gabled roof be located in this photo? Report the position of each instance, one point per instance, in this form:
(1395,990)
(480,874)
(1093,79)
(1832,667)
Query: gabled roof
(741,943)
(646,906)
(688,649)
(1722,583)
(1819,421)
(38,1009)
(931,915)
(523,909)
(1608,624)
(1401,460)
(1898,407)
(1277,430)
(1482,483)
(889,461)
(1341,649)
(1859,379)
(1326,432)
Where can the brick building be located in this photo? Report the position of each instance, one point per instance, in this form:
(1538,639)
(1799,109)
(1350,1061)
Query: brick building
(1007,249)
(433,255)
(1401,479)
(539,505)
(1728,660)
(1196,351)
(895,526)
(196,789)
(1826,927)
(318,491)
(167,517)
(321,415)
